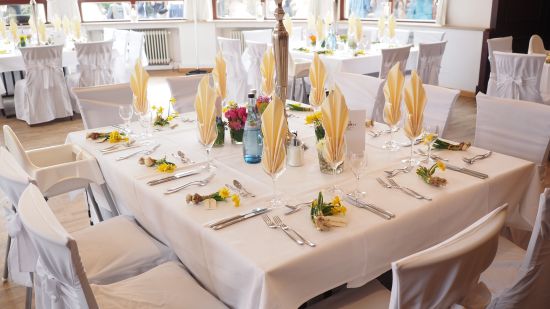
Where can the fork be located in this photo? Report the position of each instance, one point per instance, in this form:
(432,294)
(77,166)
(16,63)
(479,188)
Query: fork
(272,225)
(405,189)
(374,133)
(200,183)
(396,171)
(433,156)
(383,183)
(281,224)
(478,157)
(295,208)
(145,152)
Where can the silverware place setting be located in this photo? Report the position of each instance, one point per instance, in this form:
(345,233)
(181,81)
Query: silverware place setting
(218,225)
(175,176)
(397,171)
(200,183)
(393,185)
(144,152)
(120,146)
(432,156)
(182,157)
(295,208)
(477,157)
(370,207)
(242,190)
(467,171)
(277,223)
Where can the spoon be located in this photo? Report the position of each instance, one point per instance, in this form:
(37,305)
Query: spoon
(241,188)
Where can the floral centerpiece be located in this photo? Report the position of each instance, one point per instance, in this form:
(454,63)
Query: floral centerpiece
(427,174)
(220,127)
(160,120)
(325,215)
(112,137)
(315,120)
(219,196)
(236,118)
(162,165)
(313,40)
(261,103)
(441,144)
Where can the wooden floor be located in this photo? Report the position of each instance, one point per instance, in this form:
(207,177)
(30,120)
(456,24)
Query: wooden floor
(72,211)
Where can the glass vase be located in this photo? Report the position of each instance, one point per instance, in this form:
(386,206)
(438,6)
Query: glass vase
(220,140)
(236,136)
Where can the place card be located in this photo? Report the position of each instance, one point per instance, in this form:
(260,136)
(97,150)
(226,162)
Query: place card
(355,133)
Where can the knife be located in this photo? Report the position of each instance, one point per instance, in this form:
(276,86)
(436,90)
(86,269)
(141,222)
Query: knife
(467,171)
(222,221)
(174,177)
(248,216)
(378,211)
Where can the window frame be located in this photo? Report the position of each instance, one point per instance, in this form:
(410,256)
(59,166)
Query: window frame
(26,2)
(216,17)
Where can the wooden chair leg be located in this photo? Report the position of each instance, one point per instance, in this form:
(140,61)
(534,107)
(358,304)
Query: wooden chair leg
(28,298)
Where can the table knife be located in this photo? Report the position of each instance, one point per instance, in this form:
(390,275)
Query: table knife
(222,221)
(377,211)
(174,177)
(248,216)
(467,171)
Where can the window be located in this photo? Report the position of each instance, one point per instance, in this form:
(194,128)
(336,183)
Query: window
(98,10)
(418,10)
(297,9)
(160,9)
(250,9)
(102,11)
(20,12)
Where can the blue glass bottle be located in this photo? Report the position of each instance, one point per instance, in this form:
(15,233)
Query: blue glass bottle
(332,43)
(252,137)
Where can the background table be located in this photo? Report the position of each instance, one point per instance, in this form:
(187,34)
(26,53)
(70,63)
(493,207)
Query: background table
(14,61)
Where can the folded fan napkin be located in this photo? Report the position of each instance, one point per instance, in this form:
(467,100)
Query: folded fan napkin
(311,23)
(392,91)
(275,130)
(317,77)
(320,29)
(13,30)
(219,73)
(391,26)
(3,30)
(42,36)
(358,30)
(205,106)
(138,83)
(415,101)
(267,68)
(335,122)
(56,23)
(381,26)
(287,22)
(76,28)
(66,25)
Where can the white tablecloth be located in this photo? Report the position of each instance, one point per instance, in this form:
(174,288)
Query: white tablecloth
(14,61)
(249,265)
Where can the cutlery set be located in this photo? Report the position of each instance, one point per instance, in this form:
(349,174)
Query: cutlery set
(370,207)
(277,223)
(218,225)
(144,152)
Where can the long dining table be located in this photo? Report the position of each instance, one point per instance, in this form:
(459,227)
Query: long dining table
(13,60)
(249,265)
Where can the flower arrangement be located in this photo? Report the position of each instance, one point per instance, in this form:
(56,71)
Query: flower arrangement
(302,49)
(326,215)
(343,38)
(359,52)
(220,127)
(313,40)
(325,52)
(220,196)
(315,119)
(236,118)
(428,174)
(162,165)
(112,137)
(261,103)
(440,144)
(160,120)
(298,107)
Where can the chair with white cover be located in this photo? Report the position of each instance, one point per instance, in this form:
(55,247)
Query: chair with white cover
(403,36)
(363,92)
(42,96)
(63,274)
(236,73)
(439,104)
(297,36)
(503,44)
(99,104)
(536,45)
(184,90)
(519,278)
(261,36)
(423,36)
(136,50)
(519,129)
(518,76)
(120,40)
(252,60)
(298,68)
(438,277)
(390,56)
(429,61)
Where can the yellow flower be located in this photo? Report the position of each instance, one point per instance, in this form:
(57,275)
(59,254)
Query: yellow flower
(236,200)
(429,138)
(160,110)
(441,165)
(169,118)
(224,193)
(154,107)
(172,100)
(166,168)
(115,137)
(336,201)
(309,119)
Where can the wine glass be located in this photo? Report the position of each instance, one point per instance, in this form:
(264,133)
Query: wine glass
(126,112)
(411,161)
(392,122)
(358,163)
(207,140)
(431,133)
(334,161)
(277,201)
(145,121)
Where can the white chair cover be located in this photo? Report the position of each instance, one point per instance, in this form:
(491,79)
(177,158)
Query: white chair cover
(519,129)
(530,290)
(438,106)
(503,44)
(99,105)
(363,92)
(261,36)
(448,273)
(370,34)
(120,40)
(42,96)
(536,45)
(252,60)
(403,36)
(236,73)
(136,49)
(184,90)
(518,76)
(429,61)
(421,36)
(391,56)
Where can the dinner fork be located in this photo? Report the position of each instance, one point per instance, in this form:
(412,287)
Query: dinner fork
(272,225)
(406,189)
(200,183)
(433,156)
(396,171)
(478,157)
(383,183)
(281,224)
(145,152)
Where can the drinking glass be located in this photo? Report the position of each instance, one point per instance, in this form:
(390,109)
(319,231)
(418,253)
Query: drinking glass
(277,201)
(391,145)
(358,163)
(207,144)
(126,112)
(145,122)
(335,163)
(431,133)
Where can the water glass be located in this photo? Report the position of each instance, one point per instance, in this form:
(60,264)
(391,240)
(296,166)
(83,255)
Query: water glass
(126,112)
(431,133)
(357,160)
(207,145)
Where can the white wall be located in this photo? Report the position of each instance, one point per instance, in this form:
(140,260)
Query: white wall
(469,13)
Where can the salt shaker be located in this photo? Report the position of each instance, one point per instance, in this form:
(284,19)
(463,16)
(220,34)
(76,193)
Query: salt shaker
(295,155)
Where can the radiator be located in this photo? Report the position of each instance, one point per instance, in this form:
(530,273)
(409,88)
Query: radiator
(157,46)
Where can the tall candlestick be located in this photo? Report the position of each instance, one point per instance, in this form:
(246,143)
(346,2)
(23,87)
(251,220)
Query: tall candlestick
(34,19)
(280,49)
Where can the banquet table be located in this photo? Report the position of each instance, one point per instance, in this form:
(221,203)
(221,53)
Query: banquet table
(13,61)
(249,265)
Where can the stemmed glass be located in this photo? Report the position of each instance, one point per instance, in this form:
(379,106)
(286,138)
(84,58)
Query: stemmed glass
(126,112)
(208,141)
(276,201)
(334,163)
(145,121)
(392,122)
(358,163)
(431,133)
(411,161)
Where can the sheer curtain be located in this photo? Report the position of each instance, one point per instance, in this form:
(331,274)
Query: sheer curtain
(62,8)
(204,10)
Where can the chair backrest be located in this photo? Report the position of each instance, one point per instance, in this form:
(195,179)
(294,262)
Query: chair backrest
(536,45)
(363,92)
(136,48)
(94,60)
(515,128)
(99,104)
(448,273)
(41,64)
(430,56)
(390,56)
(236,73)
(503,44)
(439,104)
(297,35)
(422,36)
(252,59)
(531,288)
(262,36)
(120,39)
(16,149)
(403,36)
(13,179)
(518,76)
(184,90)
(60,280)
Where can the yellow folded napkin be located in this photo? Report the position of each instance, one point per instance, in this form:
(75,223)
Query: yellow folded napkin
(3,30)
(335,122)
(267,68)
(275,130)
(392,91)
(391,26)
(138,83)
(205,106)
(220,76)
(311,23)
(351,25)
(381,26)
(287,22)
(320,29)
(42,35)
(32,26)
(13,30)
(56,23)
(317,77)
(358,30)
(66,25)
(76,28)
(415,101)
